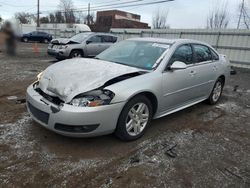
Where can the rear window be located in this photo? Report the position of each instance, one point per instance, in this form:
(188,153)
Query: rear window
(214,55)
(202,53)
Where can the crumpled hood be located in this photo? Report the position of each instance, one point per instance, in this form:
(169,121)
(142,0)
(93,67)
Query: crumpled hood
(60,41)
(70,78)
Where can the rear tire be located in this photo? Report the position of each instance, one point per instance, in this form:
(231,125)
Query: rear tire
(76,54)
(216,92)
(134,118)
(25,39)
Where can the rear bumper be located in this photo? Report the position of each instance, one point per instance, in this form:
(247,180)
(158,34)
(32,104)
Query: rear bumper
(73,121)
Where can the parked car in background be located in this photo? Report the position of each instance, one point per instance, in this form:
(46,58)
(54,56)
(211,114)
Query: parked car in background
(37,36)
(81,45)
(122,89)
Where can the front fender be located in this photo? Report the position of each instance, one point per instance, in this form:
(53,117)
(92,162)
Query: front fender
(127,89)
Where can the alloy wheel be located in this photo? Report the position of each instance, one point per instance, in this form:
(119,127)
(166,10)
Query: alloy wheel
(76,55)
(217,91)
(137,119)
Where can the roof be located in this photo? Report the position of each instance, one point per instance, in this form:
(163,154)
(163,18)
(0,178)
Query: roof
(167,41)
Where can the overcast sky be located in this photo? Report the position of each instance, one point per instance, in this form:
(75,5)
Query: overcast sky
(182,13)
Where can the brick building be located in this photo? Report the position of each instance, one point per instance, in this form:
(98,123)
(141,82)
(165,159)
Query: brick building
(117,19)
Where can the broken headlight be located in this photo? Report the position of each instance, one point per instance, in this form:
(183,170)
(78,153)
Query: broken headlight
(63,47)
(93,98)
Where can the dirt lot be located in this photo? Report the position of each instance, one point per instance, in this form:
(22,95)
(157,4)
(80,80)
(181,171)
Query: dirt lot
(202,146)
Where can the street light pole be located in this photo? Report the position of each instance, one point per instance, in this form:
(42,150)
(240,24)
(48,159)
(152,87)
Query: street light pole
(38,13)
(88,14)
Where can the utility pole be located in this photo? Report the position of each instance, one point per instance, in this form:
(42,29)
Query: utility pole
(88,18)
(241,12)
(38,13)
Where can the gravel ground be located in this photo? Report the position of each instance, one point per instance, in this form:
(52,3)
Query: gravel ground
(202,146)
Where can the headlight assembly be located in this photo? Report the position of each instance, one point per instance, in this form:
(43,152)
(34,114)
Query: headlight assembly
(39,76)
(93,98)
(63,47)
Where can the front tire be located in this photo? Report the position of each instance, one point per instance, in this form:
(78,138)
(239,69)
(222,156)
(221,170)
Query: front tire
(134,118)
(25,39)
(216,92)
(46,41)
(76,54)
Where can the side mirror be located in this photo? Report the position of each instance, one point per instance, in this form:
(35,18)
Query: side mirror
(178,65)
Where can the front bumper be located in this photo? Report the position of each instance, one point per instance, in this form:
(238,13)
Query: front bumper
(62,54)
(97,120)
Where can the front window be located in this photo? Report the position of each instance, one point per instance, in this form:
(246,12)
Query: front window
(139,54)
(80,37)
(184,54)
(95,39)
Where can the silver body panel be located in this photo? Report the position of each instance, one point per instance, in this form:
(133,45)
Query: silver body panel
(173,89)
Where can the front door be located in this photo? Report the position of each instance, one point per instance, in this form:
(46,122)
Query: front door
(178,85)
(94,46)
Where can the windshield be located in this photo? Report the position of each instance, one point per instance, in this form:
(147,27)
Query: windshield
(139,54)
(80,37)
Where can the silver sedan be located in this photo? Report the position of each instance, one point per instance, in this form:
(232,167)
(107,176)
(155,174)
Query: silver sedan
(126,86)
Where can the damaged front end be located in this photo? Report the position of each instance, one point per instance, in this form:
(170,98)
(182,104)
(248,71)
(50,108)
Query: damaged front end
(93,98)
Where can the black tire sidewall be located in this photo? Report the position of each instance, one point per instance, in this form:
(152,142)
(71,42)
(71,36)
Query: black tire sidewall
(75,51)
(121,131)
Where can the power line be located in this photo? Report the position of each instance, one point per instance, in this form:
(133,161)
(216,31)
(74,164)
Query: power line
(11,5)
(121,3)
(109,5)
(118,6)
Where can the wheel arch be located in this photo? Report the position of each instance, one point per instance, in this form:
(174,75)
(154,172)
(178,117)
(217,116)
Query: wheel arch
(223,78)
(152,98)
(77,49)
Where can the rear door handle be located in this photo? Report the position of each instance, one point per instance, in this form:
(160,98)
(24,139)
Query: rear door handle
(215,68)
(192,73)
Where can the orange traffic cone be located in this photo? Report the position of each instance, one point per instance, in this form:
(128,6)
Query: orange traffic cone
(35,48)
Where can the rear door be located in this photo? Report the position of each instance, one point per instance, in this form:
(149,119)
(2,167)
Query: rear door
(205,68)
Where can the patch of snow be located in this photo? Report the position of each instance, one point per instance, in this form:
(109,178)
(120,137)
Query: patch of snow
(230,107)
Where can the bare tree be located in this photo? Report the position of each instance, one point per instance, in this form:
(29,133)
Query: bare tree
(66,6)
(52,18)
(44,19)
(244,17)
(219,17)
(23,17)
(159,20)
(59,18)
(89,19)
(1,19)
